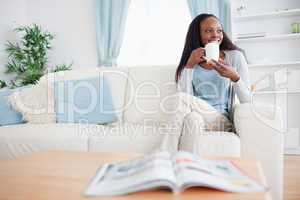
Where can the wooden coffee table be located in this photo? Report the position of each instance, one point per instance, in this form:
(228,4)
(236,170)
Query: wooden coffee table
(65,175)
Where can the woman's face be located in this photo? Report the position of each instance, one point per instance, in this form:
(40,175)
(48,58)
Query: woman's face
(211,31)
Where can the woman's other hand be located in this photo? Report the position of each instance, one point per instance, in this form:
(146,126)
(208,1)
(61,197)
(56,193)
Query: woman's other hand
(225,70)
(197,56)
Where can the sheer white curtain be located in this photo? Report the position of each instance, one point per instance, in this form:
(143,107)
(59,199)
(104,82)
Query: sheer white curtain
(155,32)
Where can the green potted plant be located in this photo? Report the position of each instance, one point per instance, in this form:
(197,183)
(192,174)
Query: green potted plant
(28,59)
(2,84)
(62,67)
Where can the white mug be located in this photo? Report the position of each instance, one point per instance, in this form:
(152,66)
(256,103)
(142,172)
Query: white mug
(212,51)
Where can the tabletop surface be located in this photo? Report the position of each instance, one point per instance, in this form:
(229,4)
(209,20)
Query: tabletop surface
(65,175)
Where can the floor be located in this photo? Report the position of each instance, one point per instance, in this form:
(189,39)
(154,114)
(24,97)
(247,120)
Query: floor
(291,177)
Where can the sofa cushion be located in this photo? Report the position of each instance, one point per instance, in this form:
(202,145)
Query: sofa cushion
(8,115)
(117,79)
(148,93)
(125,137)
(35,103)
(22,139)
(115,76)
(87,100)
(17,140)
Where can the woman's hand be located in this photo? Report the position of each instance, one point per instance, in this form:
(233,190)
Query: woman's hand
(225,70)
(196,57)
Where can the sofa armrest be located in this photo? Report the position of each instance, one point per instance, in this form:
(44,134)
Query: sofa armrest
(260,128)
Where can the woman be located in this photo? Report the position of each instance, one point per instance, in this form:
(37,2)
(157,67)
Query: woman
(207,88)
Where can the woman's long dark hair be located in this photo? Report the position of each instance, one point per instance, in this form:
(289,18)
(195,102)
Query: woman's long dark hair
(193,41)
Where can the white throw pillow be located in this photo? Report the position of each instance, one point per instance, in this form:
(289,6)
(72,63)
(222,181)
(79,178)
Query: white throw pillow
(36,104)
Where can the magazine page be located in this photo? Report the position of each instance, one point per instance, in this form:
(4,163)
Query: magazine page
(130,176)
(192,170)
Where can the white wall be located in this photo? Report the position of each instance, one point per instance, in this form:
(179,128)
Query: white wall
(72,22)
(12,14)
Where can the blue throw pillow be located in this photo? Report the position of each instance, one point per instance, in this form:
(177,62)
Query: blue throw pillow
(84,101)
(8,115)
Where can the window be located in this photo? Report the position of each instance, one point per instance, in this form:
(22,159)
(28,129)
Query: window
(155,32)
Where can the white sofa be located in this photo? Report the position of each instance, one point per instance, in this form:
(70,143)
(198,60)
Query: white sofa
(140,94)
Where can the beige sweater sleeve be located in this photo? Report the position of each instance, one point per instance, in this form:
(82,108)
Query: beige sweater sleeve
(242,86)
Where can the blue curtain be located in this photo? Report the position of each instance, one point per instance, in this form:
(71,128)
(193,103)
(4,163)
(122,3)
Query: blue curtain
(220,8)
(110,25)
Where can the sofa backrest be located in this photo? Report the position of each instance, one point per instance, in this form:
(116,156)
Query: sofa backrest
(139,94)
(148,93)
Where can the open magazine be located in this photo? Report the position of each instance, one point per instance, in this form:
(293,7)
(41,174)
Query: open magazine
(176,171)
